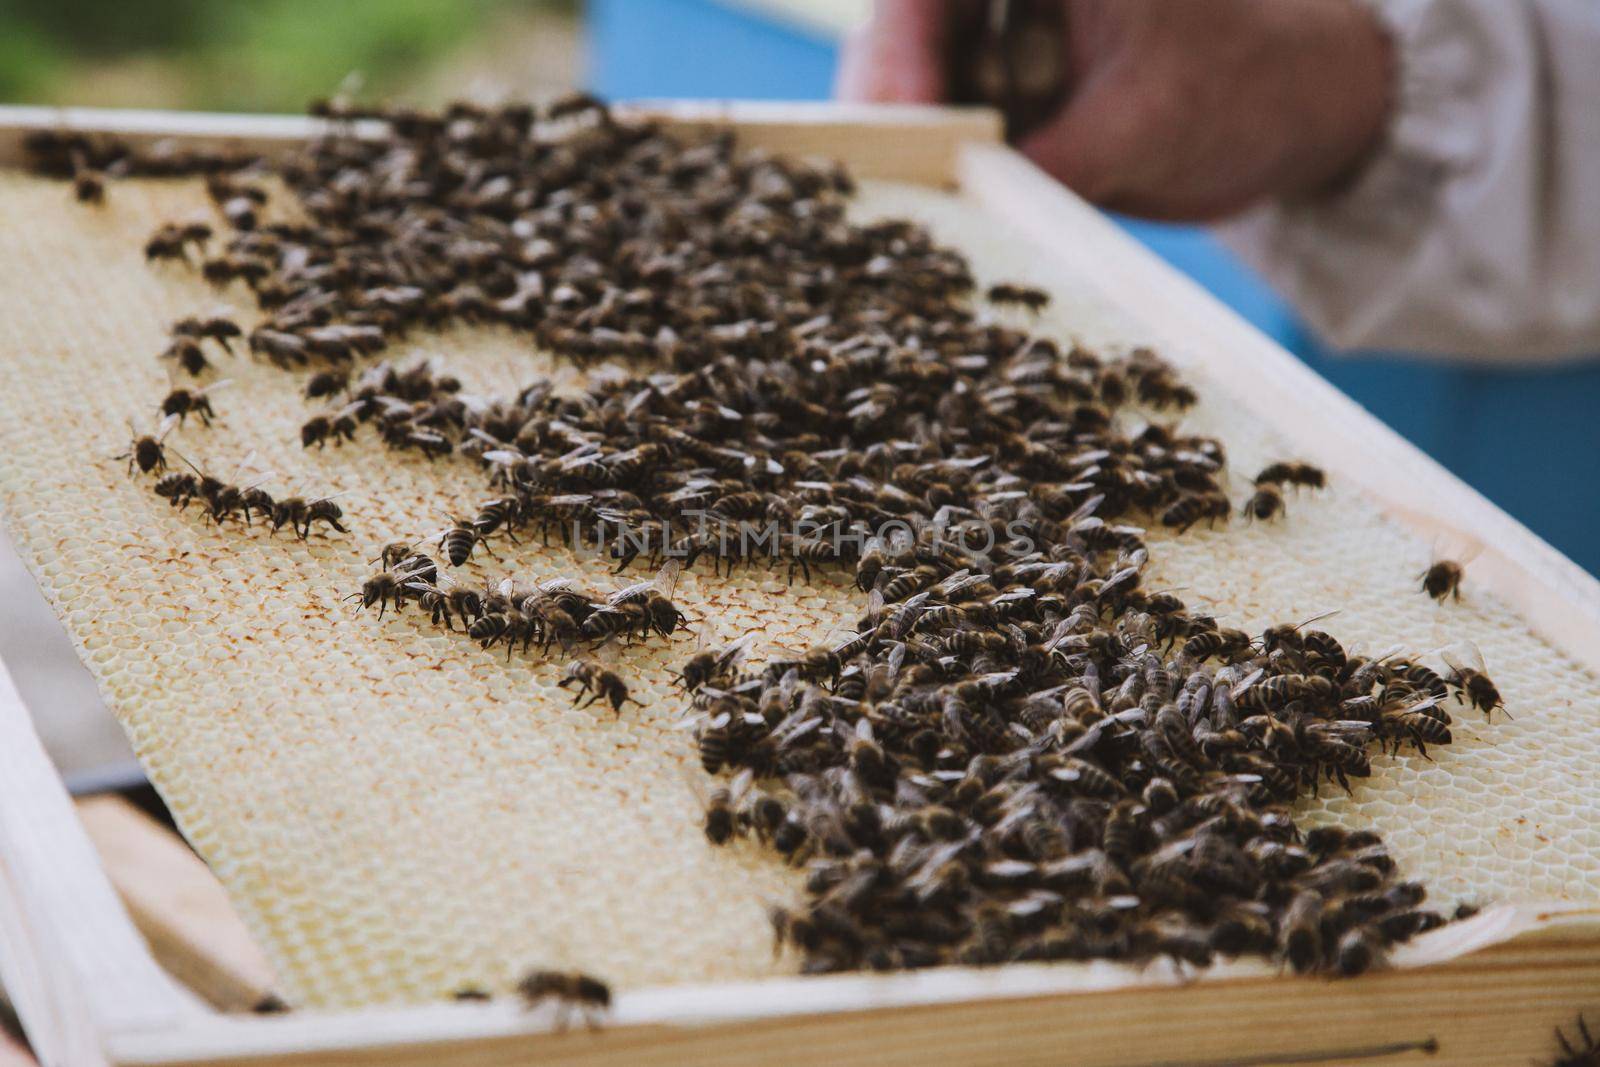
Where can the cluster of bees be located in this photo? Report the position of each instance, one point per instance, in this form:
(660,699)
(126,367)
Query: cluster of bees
(553,612)
(1069,790)
(224,501)
(1022,751)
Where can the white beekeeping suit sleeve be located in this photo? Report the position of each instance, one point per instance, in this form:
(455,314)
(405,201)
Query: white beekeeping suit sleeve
(1475,229)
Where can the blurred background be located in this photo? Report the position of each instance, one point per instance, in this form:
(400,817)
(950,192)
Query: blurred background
(1518,436)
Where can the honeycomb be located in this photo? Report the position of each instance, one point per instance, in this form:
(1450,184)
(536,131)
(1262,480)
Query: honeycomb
(397,813)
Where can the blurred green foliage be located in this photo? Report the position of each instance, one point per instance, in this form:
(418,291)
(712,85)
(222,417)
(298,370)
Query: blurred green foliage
(236,55)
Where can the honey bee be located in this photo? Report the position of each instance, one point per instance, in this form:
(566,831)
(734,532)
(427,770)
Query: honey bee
(212,327)
(870,565)
(298,514)
(177,488)
(597,683)
(1360,949)
(614,620)
(1197,507)
(1472,681)
(338,427)
(402,556)
(1122,833)
(189,356)
(722,817)
(1225,644)
(327,383)
(458,540)
(221,270)
(88,182)
(173,240)
(492,627)
(1324,654)
(1415,723)
(709,666)
(575,104)
(1292,473)
(183,402)
(1300,931)
(1442,579)
(447,603)
(653,597)
(572,990)
(388,584)
(146,451)
(281,348)
(239,203)
(501,513)
(1034,300)
(902,585)
(1265,503)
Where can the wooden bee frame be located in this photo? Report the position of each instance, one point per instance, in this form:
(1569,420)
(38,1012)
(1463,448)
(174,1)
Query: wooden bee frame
(1485,991)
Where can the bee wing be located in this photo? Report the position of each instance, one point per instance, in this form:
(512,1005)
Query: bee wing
(735,649)
(1422,705)
(1462,656)
(793,727)
(874,606)
(628,592)
(247,463)
(696,781)
(418,569)
(933,861)
(1085,509)
(553,585)
(163,429)
(666,580)
(221,383)
(1248,681)
(260,479)
(897,658)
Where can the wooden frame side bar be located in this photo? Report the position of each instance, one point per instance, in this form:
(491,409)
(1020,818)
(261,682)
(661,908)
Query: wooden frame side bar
(178,905)
(898,142)
(72,962)
(1555,595)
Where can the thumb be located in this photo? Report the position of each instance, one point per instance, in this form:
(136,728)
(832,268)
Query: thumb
(897,57)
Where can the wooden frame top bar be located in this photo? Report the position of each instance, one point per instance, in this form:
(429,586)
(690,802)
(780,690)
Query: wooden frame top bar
(896,143)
